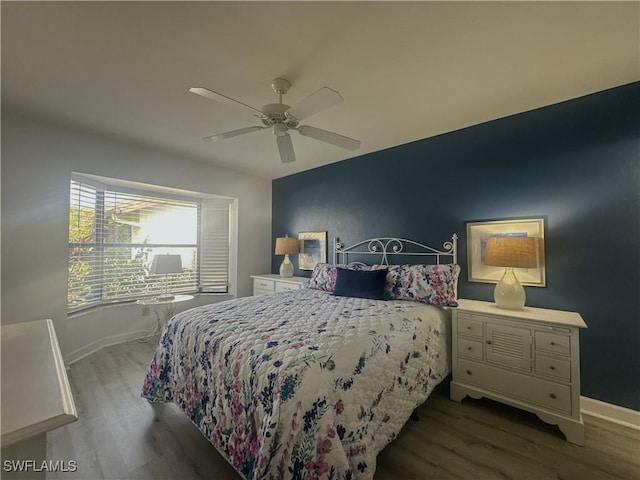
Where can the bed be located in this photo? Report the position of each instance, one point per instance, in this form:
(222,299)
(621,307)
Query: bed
(314,383)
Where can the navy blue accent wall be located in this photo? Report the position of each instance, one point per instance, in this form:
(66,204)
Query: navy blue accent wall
(577,164)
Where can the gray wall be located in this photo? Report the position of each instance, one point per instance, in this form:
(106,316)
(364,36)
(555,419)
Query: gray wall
(38,157)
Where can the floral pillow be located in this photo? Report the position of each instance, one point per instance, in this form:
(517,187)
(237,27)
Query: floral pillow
(324,275)
(432,284)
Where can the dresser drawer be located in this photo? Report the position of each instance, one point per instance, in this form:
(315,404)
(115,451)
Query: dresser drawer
(528,389)
(285,287)
(470,348)
(263,285)
(552,342)
(257,291)
(554,367)
(469,326)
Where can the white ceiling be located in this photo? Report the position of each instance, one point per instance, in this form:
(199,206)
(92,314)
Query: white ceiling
(406,70)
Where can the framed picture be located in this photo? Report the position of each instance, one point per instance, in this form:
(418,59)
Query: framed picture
(313,249)
(477,234)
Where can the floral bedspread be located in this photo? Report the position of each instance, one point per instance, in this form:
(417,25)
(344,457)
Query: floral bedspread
(302,384)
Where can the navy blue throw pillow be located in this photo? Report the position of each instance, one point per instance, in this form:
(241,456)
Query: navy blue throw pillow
(361,283)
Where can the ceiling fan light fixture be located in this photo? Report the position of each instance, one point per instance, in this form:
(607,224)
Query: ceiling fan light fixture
(279,129)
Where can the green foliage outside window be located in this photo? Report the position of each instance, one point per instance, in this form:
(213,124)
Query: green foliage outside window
(81,231)
(124,269)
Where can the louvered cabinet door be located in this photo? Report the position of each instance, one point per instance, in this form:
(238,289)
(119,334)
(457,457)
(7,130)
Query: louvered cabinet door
(508,346)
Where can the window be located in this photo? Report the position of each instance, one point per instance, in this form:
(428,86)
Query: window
(115,231)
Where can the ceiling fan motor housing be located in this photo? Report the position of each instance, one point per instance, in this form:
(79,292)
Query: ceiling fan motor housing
(274,113)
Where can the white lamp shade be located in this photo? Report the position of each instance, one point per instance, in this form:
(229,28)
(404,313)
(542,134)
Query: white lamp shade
(163,264)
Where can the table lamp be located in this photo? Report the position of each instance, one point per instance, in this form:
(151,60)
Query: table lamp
(285,246)
(511,252)
(166,264)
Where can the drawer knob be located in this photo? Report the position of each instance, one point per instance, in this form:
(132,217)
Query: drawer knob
(553,395)
(552,343)
(468,372)
(552,367)
(488,342)
(469,348)
(468,327)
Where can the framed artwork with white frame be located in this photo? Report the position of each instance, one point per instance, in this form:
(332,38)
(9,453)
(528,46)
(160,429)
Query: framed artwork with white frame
(477,234)
(313,249)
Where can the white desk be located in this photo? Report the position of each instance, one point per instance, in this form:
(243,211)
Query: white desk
(36,395)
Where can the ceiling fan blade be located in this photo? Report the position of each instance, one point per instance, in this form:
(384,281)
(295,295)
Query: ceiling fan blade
(314,103)
(218,97)
(233,133)
(285,147)
(329,137)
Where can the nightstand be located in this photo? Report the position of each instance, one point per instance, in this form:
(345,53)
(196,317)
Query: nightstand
(528,358)
(273,283)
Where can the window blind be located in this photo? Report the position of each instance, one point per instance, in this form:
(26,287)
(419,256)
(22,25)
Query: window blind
(114,235)
(84,275)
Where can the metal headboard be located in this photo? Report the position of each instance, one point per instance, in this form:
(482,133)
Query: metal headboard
(385,246)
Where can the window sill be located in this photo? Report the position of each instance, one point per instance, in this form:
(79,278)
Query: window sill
(195,302)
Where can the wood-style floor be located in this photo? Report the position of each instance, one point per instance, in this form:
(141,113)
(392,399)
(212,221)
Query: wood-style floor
(119,435)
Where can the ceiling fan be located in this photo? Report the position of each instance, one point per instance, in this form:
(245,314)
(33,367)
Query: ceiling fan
(281,118)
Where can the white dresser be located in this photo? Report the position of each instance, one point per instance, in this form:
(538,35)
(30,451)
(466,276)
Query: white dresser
(273,283)
(527,358)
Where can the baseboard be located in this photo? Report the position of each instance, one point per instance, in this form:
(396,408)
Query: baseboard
(610,412)
(93,347)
